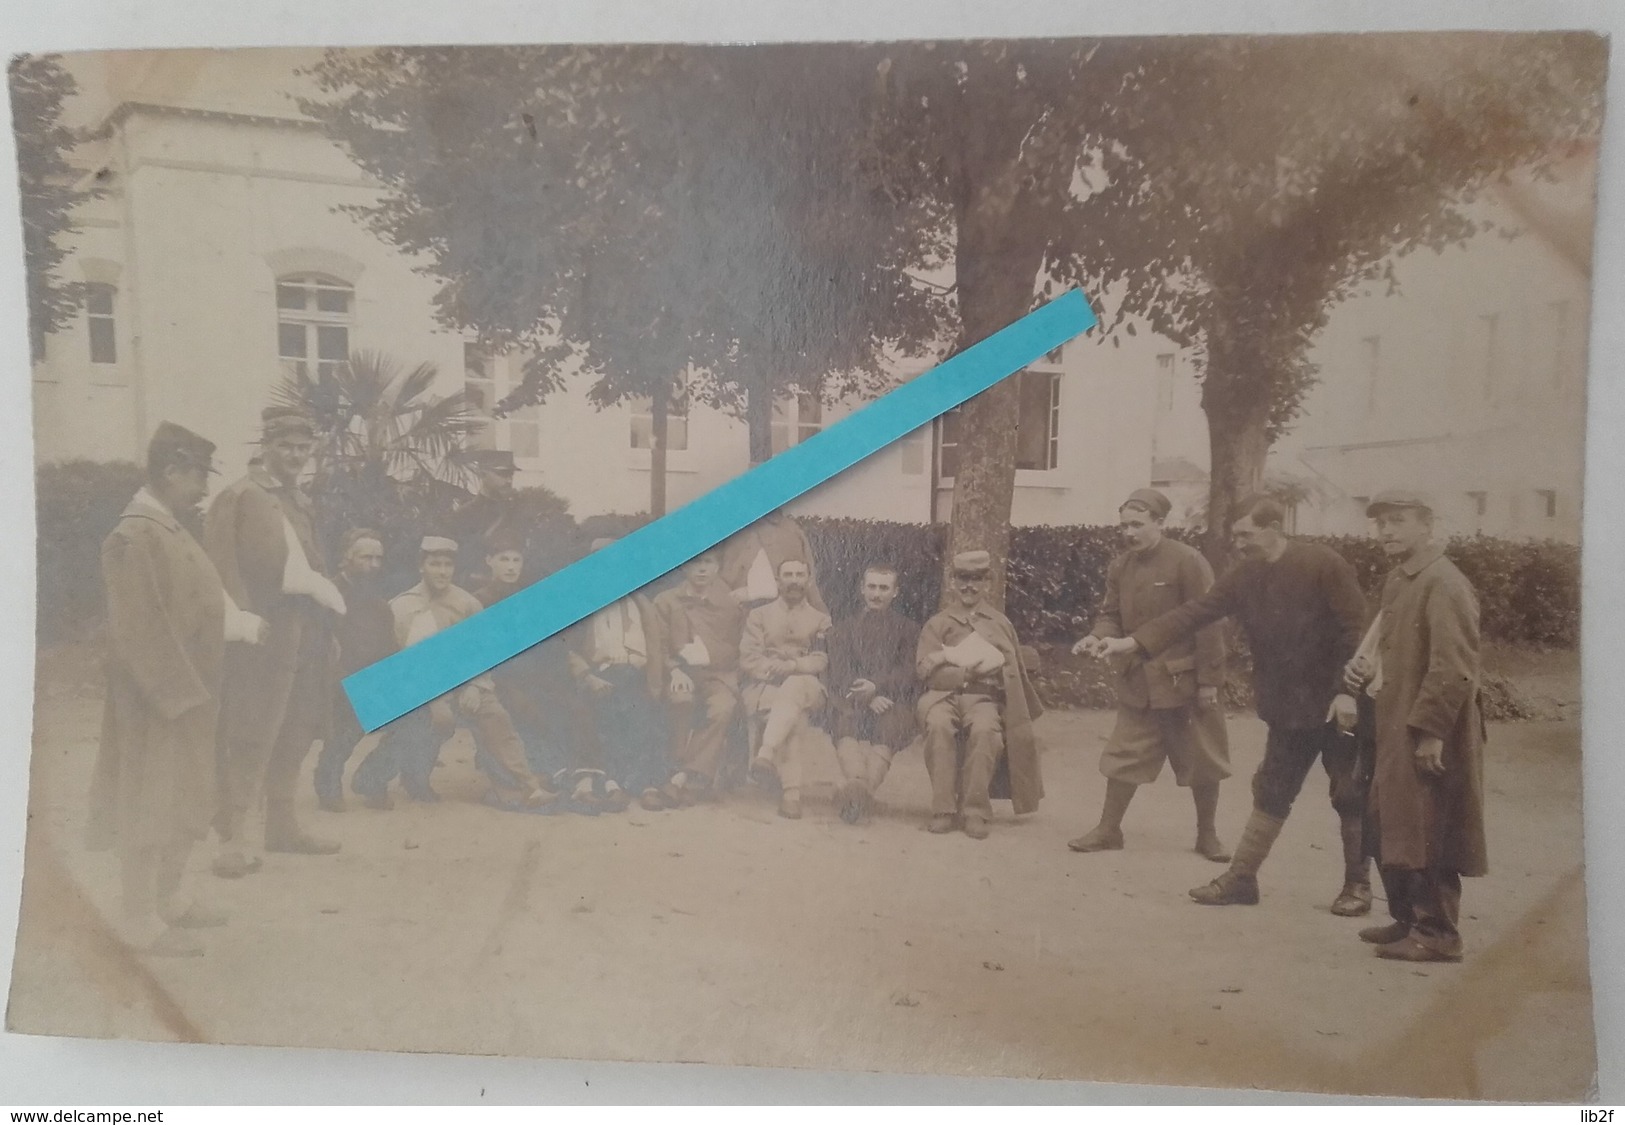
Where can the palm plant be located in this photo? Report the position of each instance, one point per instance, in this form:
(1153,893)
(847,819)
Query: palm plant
(378,423)
(390,454)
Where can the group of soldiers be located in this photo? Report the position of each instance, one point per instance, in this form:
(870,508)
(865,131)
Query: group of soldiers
(228,644)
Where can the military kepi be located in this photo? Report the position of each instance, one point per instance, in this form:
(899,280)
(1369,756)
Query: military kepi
(177,445)
(278,420)
(973,562)
(1399,498)
(1150,501)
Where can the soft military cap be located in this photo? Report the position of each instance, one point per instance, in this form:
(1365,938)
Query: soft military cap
(1399,498)
(973,562)
(1150,501)
(438,545)
(177,445)
(278,420)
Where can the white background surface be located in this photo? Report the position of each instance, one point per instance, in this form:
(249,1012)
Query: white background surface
(58,1072)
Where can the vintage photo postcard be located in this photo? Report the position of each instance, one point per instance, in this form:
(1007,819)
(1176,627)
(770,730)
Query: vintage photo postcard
(1199,706)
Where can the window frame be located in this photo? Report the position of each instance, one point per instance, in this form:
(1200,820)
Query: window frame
(311,320)
(1053,441)
(106,321)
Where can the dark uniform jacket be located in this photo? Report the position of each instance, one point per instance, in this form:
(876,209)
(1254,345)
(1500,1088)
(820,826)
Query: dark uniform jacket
(1303,614)
(1142,586)
(1428,646)
(878,646)
(244,536)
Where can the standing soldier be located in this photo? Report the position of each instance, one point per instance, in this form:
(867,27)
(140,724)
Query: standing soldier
(1426,805)
(366,634)
(168,621)
(975,686)
(750,561)
(277,697)
(1167,708)
(872,691)
(489,513)
(1302,610)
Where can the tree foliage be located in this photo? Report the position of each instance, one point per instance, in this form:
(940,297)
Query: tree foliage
(49,188)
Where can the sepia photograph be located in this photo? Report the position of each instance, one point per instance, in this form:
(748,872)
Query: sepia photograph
(1199,706)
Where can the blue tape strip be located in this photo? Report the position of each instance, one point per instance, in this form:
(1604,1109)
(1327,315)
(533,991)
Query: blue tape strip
(437,664)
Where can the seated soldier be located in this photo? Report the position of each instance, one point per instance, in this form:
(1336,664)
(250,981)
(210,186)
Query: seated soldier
(618,668)
(975,685)
(534,686)
(699,622)
(411,748)
(872,691)
(782,656)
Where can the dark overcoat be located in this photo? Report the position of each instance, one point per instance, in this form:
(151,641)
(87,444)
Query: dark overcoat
(154,777)
(245,539)
(1430,686)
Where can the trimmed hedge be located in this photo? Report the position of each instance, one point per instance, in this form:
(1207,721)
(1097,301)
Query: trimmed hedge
(76,505)
(1528,591)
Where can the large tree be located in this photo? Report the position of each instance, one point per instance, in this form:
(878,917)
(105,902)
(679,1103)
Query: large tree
(50,190)
(654,219)
(1257,182)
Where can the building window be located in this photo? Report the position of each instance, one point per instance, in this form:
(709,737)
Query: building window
(795,420)
(643,421)
(1038,421)
(487,380)
(1547,502)
(1371,369)
(99,317)
(1038,425)
(480,387)
(1165,382)
(914,447)
(314,316)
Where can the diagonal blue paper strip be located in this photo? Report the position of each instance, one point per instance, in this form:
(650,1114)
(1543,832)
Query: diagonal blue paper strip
(437,664)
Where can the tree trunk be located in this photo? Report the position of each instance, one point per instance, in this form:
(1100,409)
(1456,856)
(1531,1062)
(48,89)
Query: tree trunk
(996,271)
(1238,443)
(759,419)
(660,426)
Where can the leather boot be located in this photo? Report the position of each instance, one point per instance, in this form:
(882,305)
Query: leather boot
(1239,885)
(1354,900)
(1107,836)
(1208,843)
(283,834)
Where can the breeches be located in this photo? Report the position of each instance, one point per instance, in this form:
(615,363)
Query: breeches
(254,767)
(1191,738)
(960,781)
(1288,757)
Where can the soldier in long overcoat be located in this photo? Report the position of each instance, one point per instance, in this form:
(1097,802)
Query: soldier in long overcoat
(1426,805)
(988,699)
(168,621)
(276,702)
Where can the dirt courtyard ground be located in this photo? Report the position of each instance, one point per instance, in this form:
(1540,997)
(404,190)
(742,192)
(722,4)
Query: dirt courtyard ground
(723,934)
